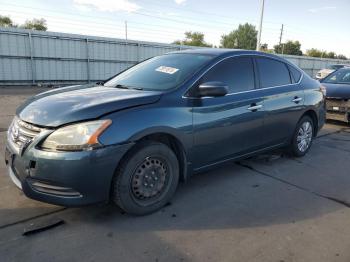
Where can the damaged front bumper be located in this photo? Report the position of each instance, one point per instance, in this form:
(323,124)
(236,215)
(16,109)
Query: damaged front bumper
(59,177)
(338,109)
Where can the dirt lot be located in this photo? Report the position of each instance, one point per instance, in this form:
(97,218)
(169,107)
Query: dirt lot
(270,208)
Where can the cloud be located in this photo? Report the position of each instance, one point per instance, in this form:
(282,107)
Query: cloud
(83,8)
(109,5)
(180,2)
(323,8)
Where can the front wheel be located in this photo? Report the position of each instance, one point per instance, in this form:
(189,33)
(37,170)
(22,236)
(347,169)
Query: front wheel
(303,136)
(146,179)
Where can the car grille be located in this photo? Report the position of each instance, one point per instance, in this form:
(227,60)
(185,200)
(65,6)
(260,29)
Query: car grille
(21,133)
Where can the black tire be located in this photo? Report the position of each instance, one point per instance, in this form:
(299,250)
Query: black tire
(146,179)
(296,147)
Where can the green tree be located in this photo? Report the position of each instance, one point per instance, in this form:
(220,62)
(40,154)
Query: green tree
(244,37)
(5,21)
(331,55)
(35,24)
(264,47)
(343,57)
(193,39)
(313,52)
(289,48)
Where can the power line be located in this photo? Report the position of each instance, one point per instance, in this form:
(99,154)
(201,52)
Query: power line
(184,22)
(171,30)
(169,27)
(120,29)
(78,22)
(196,11)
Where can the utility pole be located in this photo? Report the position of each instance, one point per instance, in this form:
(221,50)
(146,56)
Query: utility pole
(260,25)
(126,30)
(281,35)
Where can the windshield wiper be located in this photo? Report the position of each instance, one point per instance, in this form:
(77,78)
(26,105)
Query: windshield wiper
(121,86)
(128,87)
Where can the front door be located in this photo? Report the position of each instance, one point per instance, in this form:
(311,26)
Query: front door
(227,126)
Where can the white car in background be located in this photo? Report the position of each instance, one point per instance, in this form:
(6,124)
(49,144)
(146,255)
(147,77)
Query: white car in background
(330,69)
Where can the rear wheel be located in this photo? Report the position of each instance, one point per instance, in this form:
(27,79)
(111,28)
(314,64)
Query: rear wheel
(303,137)
(146,179)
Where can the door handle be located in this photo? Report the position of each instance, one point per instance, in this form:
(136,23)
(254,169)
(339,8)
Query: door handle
(254,107)
(297,99)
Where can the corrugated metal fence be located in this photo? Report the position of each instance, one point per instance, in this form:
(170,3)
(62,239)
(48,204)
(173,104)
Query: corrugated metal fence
(36,57)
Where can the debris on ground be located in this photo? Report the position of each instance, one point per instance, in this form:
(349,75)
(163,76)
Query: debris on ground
(43,225)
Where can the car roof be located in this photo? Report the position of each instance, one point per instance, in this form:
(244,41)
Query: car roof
(346,65)
(224,52)
(343,69)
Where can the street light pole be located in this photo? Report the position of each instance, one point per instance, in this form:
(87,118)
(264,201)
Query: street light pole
(258,44)
(126,30)
(281,35)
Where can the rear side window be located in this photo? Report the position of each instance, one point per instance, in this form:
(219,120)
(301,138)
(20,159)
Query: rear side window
(273,73)
(296,75)
(236,72)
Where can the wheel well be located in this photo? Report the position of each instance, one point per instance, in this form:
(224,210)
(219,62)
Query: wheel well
(314,118)
(174,144)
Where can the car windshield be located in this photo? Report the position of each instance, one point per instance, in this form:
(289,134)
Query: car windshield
(334,67)
(160,73)
(339,77)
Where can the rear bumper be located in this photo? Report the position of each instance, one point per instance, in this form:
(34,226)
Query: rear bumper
(65,178)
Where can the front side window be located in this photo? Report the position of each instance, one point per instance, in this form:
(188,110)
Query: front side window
(338,77)
(272,73)
(160,73)
(237,73)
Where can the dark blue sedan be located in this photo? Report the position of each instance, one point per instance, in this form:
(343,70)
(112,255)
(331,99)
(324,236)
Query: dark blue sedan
(337,87)
(134,138)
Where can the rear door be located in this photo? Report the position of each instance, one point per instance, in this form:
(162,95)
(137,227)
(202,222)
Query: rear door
(283,99)
(228,126)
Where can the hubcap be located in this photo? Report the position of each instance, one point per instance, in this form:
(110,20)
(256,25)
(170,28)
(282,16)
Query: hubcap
(304,137)
(149,179)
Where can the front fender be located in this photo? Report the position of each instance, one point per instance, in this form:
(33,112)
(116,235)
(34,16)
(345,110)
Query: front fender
(135,123)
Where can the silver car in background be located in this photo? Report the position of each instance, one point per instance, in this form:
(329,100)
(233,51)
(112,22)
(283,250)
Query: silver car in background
(330,69)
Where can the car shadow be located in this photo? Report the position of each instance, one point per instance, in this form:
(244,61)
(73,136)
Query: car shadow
(232,196)
(228,197)
(338,123)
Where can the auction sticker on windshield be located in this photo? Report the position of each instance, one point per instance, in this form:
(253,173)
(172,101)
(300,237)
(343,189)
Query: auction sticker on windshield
(167,69)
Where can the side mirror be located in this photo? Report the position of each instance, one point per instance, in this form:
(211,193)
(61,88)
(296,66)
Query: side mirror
(212,89)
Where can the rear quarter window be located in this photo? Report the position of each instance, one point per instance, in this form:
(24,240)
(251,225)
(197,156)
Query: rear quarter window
(272,73)
(295,73)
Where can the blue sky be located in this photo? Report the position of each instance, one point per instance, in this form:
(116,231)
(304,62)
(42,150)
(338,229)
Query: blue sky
(323,24)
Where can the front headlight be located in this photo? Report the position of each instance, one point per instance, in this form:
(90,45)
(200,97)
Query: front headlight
(76,137)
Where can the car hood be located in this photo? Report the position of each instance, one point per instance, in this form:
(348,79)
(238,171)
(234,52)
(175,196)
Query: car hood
(77,103)
(337,90)
(326,71)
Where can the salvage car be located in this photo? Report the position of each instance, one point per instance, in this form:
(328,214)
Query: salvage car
(131,140)
(337,87)
(330,69)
